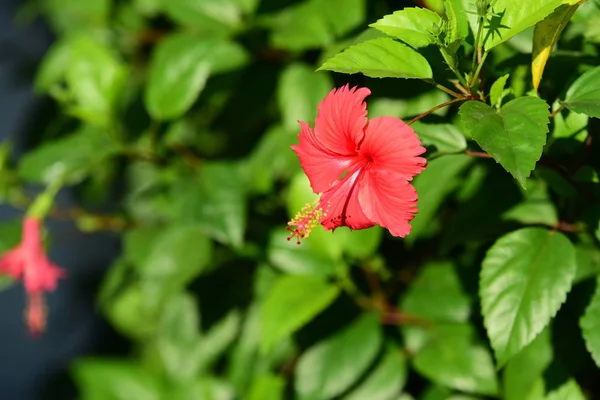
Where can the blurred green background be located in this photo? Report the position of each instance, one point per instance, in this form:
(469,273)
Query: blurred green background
(170,122)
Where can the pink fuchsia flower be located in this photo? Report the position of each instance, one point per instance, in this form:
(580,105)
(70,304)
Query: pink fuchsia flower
(362,168)
(28,262)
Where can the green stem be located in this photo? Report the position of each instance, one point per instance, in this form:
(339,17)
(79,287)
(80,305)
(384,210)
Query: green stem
(443,88)
(478,39)
(476,75)
(43,202)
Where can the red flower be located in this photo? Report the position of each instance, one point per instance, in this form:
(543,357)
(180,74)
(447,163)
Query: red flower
(362,167)
(28,262)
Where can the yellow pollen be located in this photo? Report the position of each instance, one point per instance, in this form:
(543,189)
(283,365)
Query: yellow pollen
(303,223)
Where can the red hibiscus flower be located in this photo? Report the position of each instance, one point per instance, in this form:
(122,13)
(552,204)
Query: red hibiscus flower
(361,167)
(28,261)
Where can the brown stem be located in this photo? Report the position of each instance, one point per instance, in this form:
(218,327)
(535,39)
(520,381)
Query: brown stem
(434,109)
(566,227)
(397,317)
(559,109)
(480,154)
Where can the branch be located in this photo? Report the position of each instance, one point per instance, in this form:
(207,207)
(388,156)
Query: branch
(434,109)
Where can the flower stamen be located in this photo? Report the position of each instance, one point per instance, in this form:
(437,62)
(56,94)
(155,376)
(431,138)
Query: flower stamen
(305,221)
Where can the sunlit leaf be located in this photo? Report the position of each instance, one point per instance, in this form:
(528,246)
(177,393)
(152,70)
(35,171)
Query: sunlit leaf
(568,391)
(412,25)
(179,68)
(380,58)
(110,379)
(527,367)
(445,137)
(513,16)
(525,277)
(307,296)
(387,378)
(331,366)
(454,360)
(69,158)
(300,91)
(545,36)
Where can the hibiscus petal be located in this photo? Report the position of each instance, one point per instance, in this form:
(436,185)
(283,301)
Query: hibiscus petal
(11,263)
(394,146)
(341,205)
(322,167)
(388,199)
(341,120)
(41,275)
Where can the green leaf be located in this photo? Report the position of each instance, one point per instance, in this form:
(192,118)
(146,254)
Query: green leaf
(436,392)
(128,313)
(322,22)
(54,65)
(215,16)
(437,295)
(95,78)
(267,387)
(178,255)
(588,261)
(497,91)
(218,339)
(525,277)
(70,158)
(586,174)
(583,95)
(361,244)
(545,36)
(331,366)
(307,296)
(136,243)
(536,208)
(433,185)
(526,368)
(178,339)
(514,135)
(10,235)
(445,137)
(412,25)
(68,16)
(246,362)
(568,391)
(179,68)
(387,378)
(512,17)
(380,58)
(342,16)
(316,31)
(215,201)
(457,27)
(590,325)
(453,360)
(271,160)
(299,93)
(204,388)
(106,379)
(304,259)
